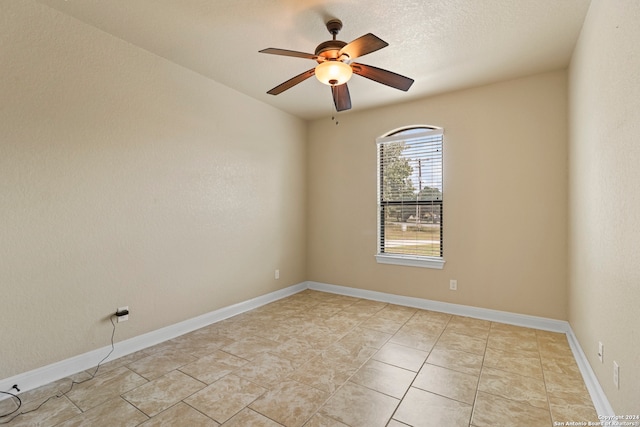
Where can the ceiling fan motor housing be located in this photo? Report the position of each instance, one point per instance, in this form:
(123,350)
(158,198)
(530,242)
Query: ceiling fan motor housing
(329,50)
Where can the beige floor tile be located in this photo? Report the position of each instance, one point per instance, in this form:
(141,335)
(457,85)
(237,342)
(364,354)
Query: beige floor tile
(345,300)
(398,313)
(551,336)
(104,387)
(290,403)
(457,360)
(212,367)
(568,383)
(359,406)
(469,326)
(319,420)
(519,331)
(250,347)
(169,345)
(7,405)
(225,397)
(327,360)
(425,327)
(323,311)
(321,336)
(420,408)
(553,344)
(229,328)
(276,332)
(251,326)
(115,412)
(366,337)
(279,332)
(297,350)
(354,314)
(563,365)
(568,408)
(180,415)
(110,365)
(200,344)
(53,412)
(326,373)
(215,328)
(247,417)
(512,338)
(454,341)
(513,386)
(401,356)
(527,364)
(496,411)
(349,353)
(161,393)
(160,363)
(342,322)
(266,370)
(558,361)
(366,306)
(429,317)
(381,324)
(569,397)
(445,382)
(387,379)
(414,338)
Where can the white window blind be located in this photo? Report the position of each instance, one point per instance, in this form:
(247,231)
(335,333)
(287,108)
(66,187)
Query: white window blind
(410,214)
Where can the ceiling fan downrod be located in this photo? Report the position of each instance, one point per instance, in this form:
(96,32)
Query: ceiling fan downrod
(334,26)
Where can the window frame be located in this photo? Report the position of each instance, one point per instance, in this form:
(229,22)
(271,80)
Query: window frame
(382,257)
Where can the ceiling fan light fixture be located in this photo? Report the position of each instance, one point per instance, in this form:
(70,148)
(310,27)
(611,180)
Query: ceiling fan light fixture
(333,73)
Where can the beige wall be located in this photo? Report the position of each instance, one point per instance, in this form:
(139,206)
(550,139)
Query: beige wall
(604,286)
(128,180)
(505,198)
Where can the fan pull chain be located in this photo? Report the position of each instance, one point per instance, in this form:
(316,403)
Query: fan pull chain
(334,113)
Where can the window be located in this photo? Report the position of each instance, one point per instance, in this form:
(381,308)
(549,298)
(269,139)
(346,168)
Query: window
(410,197)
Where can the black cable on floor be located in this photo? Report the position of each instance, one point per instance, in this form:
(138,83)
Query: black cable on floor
(59,395)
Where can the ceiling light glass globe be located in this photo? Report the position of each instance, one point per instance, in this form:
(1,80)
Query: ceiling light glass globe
(333,73)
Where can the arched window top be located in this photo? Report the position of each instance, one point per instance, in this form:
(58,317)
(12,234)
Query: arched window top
(410,132)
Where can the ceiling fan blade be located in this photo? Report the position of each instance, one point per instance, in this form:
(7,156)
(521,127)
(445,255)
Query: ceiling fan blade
(383,76)
(285,52)
(362,46)
(292,82)
(341,97)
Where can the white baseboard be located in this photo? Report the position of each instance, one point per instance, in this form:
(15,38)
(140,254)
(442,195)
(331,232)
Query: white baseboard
(445,307)
(55,371)
(600,401)
(46,374)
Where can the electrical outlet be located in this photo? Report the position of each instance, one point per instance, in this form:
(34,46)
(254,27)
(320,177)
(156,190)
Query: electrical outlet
(453,285)
(122,314)
(601,351)
(277,275)
(616,375)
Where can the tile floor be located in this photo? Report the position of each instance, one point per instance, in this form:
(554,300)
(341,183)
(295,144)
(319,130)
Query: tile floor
(316,359)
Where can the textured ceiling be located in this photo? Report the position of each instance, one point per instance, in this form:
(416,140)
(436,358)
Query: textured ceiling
(443,45)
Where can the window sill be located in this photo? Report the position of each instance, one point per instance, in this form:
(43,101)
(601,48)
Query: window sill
(411,261)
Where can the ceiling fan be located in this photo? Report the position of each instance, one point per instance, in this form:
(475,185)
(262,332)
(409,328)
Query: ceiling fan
(335,67)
